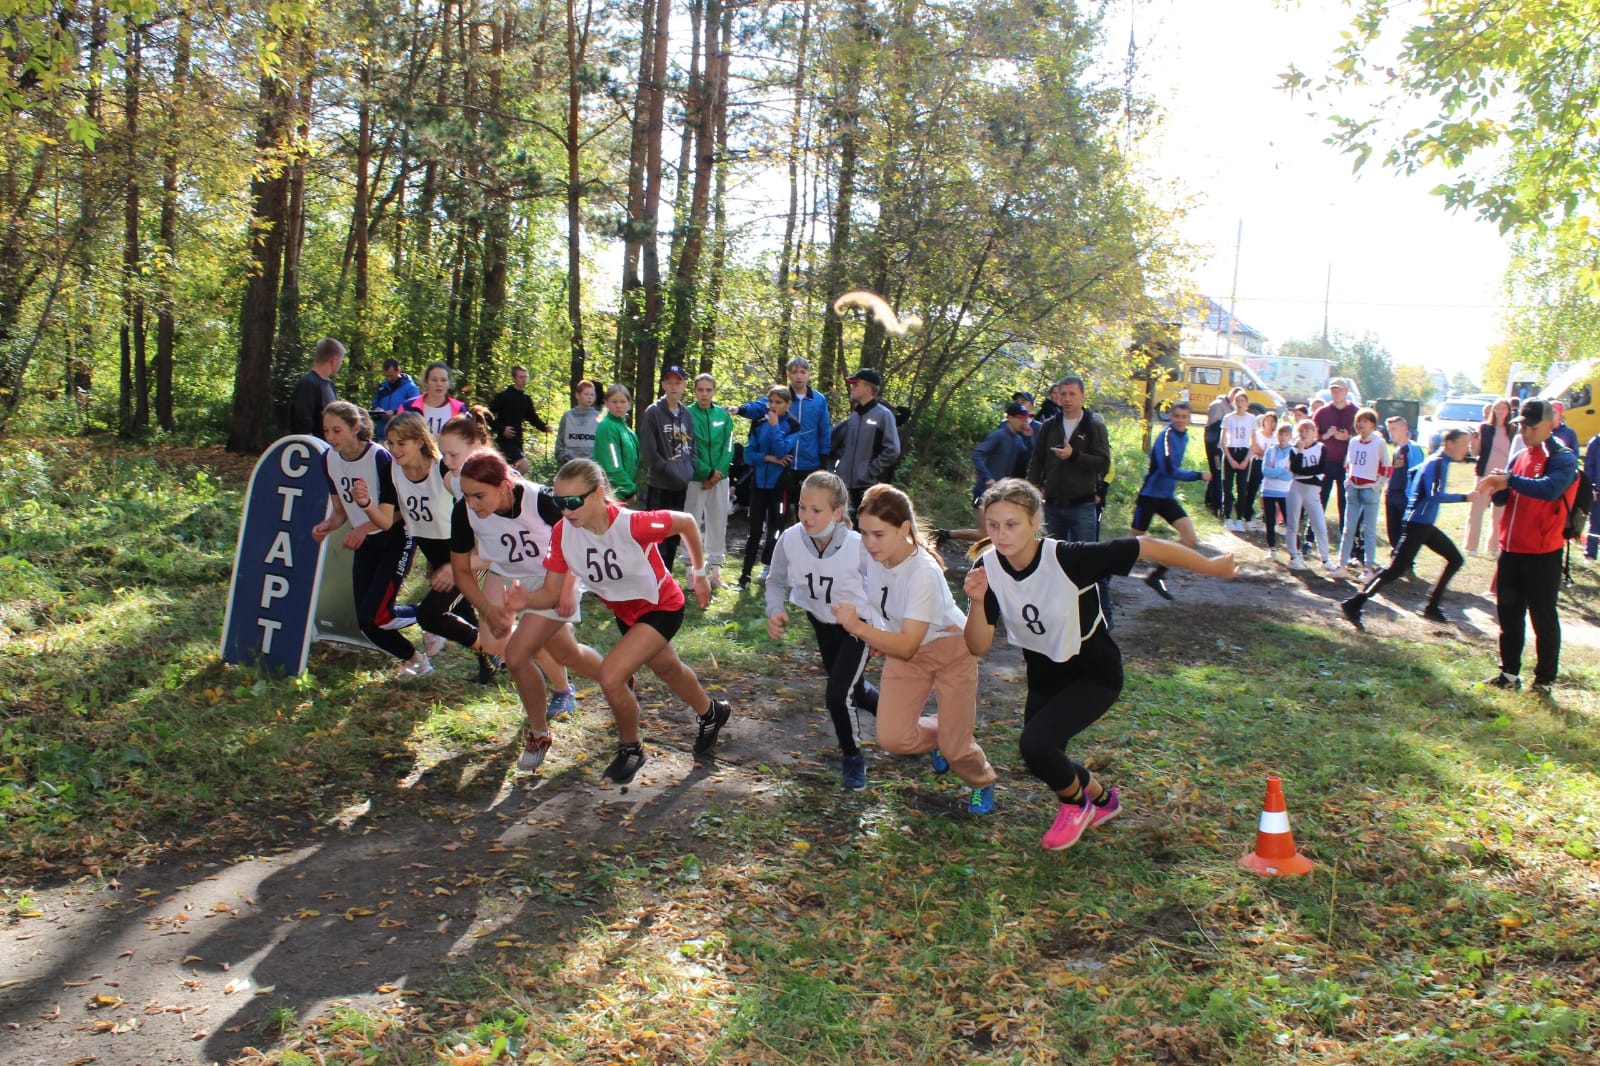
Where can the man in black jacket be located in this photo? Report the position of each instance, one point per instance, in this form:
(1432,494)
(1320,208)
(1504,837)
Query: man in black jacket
(511,410)
(1071,457)
(315,390)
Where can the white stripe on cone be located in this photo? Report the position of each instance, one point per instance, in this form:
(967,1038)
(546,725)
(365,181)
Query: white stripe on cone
(1274,821)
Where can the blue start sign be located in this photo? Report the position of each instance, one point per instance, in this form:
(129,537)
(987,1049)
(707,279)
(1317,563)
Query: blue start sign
(273,602)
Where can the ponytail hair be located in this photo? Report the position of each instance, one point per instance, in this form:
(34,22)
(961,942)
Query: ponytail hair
(1012,490)
(471,425)
(889,505)
(351,415)
(877,307)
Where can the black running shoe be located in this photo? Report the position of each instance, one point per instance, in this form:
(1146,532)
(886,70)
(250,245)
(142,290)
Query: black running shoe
(1433,614)
(630,757)
(1154,580)
(711,724)
(488,666)
(1351,610)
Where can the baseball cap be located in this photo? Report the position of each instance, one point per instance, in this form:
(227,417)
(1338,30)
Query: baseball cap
(867,374)
(1022,396)
(1015,409)
(669,371)
(1534,412)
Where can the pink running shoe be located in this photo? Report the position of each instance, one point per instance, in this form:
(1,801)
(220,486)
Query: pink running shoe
(1071,820)
(1111,808)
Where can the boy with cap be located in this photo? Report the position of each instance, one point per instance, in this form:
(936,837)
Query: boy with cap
(866,444)
(666,445)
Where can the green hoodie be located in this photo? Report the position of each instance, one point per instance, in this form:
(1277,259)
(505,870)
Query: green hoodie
(616,449)
(713,441)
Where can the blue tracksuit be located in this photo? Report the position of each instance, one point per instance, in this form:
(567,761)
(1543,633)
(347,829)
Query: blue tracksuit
(813,440)
(1427,490)
(1166,466)
(1001,454)
(767,439)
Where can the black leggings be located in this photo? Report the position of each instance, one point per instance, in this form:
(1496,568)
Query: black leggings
(1240,491)
(1273,508)
(766,522)
(845,659)
(375,577)
(445,614)
(1418,535)
(1526,586)
(1064,699)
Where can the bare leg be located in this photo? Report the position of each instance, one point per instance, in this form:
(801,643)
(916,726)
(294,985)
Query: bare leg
(637,647)
(677,676)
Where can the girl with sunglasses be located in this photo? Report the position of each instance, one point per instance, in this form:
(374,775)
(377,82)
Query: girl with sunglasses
(508,523)
(615,553)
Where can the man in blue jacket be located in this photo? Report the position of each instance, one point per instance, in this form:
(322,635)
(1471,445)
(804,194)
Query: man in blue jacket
(1004,452)
(394,392)
(1158,496)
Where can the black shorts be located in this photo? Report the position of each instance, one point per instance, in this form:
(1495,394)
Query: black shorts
(667,623)
(1147,507)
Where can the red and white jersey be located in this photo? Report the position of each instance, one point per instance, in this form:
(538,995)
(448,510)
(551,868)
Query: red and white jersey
(622,566)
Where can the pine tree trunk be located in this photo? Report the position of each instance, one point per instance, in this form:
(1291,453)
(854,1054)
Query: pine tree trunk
(253,409)
(847,119)
(166,326)
(577,48)
(790,249)
(133,405)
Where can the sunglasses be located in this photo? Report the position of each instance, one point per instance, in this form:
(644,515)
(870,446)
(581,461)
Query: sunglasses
(572,503)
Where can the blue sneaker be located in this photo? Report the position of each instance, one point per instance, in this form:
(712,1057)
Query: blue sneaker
(562,704)
(982,801)
(853,772)
(941,765)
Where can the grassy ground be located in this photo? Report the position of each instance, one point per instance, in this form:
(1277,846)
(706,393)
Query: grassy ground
(1452,916)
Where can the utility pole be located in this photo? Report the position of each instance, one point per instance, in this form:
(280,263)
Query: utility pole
(1327,291)
(1233,296)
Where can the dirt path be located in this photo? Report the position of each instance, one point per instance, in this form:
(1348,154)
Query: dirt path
(186,962)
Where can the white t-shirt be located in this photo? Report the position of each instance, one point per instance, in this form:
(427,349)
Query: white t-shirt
(915,590)
(1238,430)
(1364,459)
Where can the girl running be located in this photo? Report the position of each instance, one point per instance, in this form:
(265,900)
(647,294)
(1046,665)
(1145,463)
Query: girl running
(1305,496)
(616,446)
(436,405)
(361,494)
(913,620)
(424,503)
(819,562)
(461,436)
(614,551)
(507,522)
(1047,593)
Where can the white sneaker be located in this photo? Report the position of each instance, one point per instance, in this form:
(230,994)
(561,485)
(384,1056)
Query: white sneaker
(1473,553)
(416,666)
(432,644)
(1272,555)
(1296,563)
(765,570)
(1333,571)
(714,577)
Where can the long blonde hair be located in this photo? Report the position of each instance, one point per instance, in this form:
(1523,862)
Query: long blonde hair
(878,308)
(409,425)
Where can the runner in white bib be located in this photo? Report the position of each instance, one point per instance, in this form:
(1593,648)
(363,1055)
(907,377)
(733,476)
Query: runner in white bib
(361,495)
(614,551)
(1047,593)
(499,520)
(819,562)
(913,620)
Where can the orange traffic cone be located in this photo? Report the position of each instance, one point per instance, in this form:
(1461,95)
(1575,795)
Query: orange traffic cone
(1275,854)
